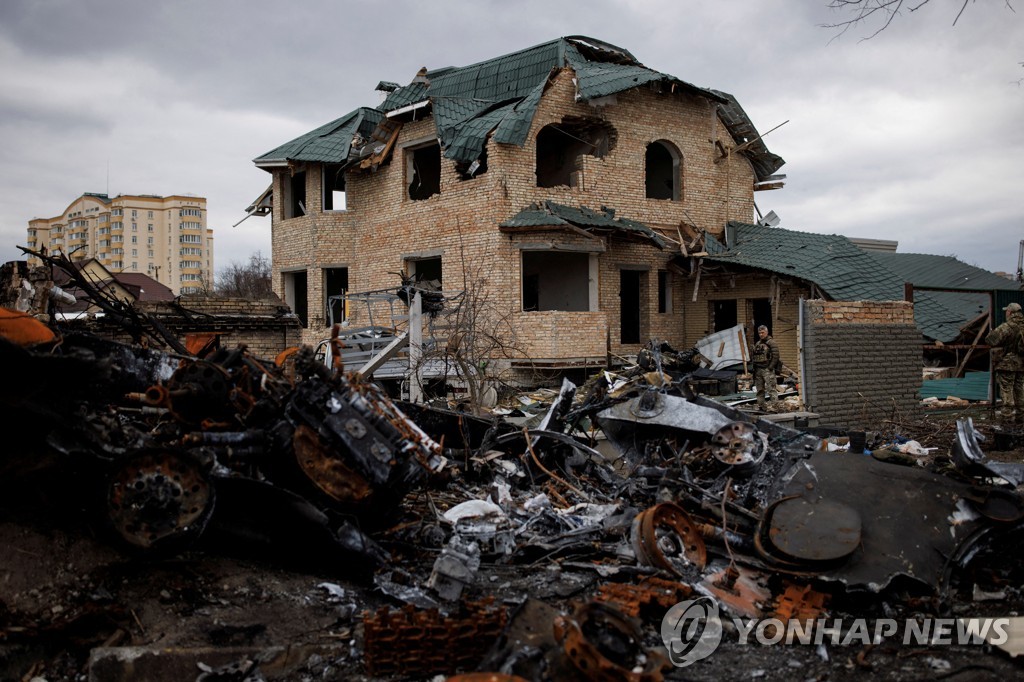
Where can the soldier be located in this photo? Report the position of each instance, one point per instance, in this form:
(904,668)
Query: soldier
(766,363)
(1009,338)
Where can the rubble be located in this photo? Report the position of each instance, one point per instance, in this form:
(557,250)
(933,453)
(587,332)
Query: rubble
(452,543)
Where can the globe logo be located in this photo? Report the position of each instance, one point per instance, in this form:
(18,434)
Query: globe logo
(691,630)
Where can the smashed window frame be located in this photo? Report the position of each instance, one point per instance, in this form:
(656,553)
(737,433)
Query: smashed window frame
(560,146)
(422,169)
(468,171)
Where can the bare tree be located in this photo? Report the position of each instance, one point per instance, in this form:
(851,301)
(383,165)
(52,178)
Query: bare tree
(246,280)
(481,339)
(865,12)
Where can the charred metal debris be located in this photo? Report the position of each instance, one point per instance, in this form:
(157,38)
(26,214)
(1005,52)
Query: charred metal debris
(620,503)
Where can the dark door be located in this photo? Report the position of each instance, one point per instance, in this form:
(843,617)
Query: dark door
(762,309)
(629,302)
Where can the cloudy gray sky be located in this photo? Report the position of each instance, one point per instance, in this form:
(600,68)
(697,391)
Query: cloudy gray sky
(911,135)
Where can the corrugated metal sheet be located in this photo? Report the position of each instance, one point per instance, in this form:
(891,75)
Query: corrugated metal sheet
(725,348)
(973,386)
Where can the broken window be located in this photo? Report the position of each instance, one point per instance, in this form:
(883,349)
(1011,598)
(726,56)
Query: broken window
(423,170)
(468,171)
(664,291)
(335,288)
(556,280)
(295,289)
(662,171)
(560,146)
(295,195)
(723,314)
(334,188)
(425,272)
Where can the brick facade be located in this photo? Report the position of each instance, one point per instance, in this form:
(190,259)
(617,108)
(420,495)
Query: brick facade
(382,226)
(266,327)
(862,361)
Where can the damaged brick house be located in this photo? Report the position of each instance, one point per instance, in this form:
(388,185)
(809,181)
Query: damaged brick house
(567,180)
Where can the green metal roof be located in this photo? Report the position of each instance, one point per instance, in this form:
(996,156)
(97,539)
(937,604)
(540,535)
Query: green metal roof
(927,270)
(330,143)
(973,386)
(550,214)
(841,269)
(512,84)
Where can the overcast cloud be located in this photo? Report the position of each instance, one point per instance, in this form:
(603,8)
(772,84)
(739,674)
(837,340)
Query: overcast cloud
(913,135)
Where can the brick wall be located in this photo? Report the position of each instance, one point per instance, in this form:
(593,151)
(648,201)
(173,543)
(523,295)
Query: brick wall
(382,225)
(863,361)
(266,327)
(784,295)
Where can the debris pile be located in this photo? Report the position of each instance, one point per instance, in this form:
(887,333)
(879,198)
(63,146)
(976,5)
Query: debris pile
(547,551)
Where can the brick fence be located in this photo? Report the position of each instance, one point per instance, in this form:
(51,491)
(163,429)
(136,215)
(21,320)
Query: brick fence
(862,361)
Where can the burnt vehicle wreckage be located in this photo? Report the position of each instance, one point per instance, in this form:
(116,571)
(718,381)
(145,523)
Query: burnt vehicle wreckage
(170,451)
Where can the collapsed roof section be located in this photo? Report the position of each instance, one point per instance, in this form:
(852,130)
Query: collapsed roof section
(330,143)
(842,270)
(549,215)
(501,95)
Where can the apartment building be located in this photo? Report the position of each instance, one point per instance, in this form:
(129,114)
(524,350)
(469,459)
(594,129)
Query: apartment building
(163,237)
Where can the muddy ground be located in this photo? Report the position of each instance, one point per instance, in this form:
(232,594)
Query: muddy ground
(66,590)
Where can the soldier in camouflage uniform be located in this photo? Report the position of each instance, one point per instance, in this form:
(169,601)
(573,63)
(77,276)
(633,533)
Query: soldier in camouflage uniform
(1009,337)
(766,363)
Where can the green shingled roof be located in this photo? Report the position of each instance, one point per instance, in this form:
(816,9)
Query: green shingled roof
(840,268)
(926,270)
(330,143)
(499,95)
(550,214)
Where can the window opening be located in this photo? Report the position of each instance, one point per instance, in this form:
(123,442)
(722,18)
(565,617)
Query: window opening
(295,200)
(333,185)
(560,146)
(423,168)
(468,171)
(425,272)
(661,166)
(556,281)
(295,289)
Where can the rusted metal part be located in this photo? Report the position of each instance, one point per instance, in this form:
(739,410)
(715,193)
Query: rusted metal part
(653,595)
(199,390)
(156,497)
(326,470)
(24,330)
(741,590)
(799,602)
(606,646)
(665,537)
(739,445)
(424,642)
(812,532)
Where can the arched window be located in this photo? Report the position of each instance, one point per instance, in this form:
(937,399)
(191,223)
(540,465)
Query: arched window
(663,171)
